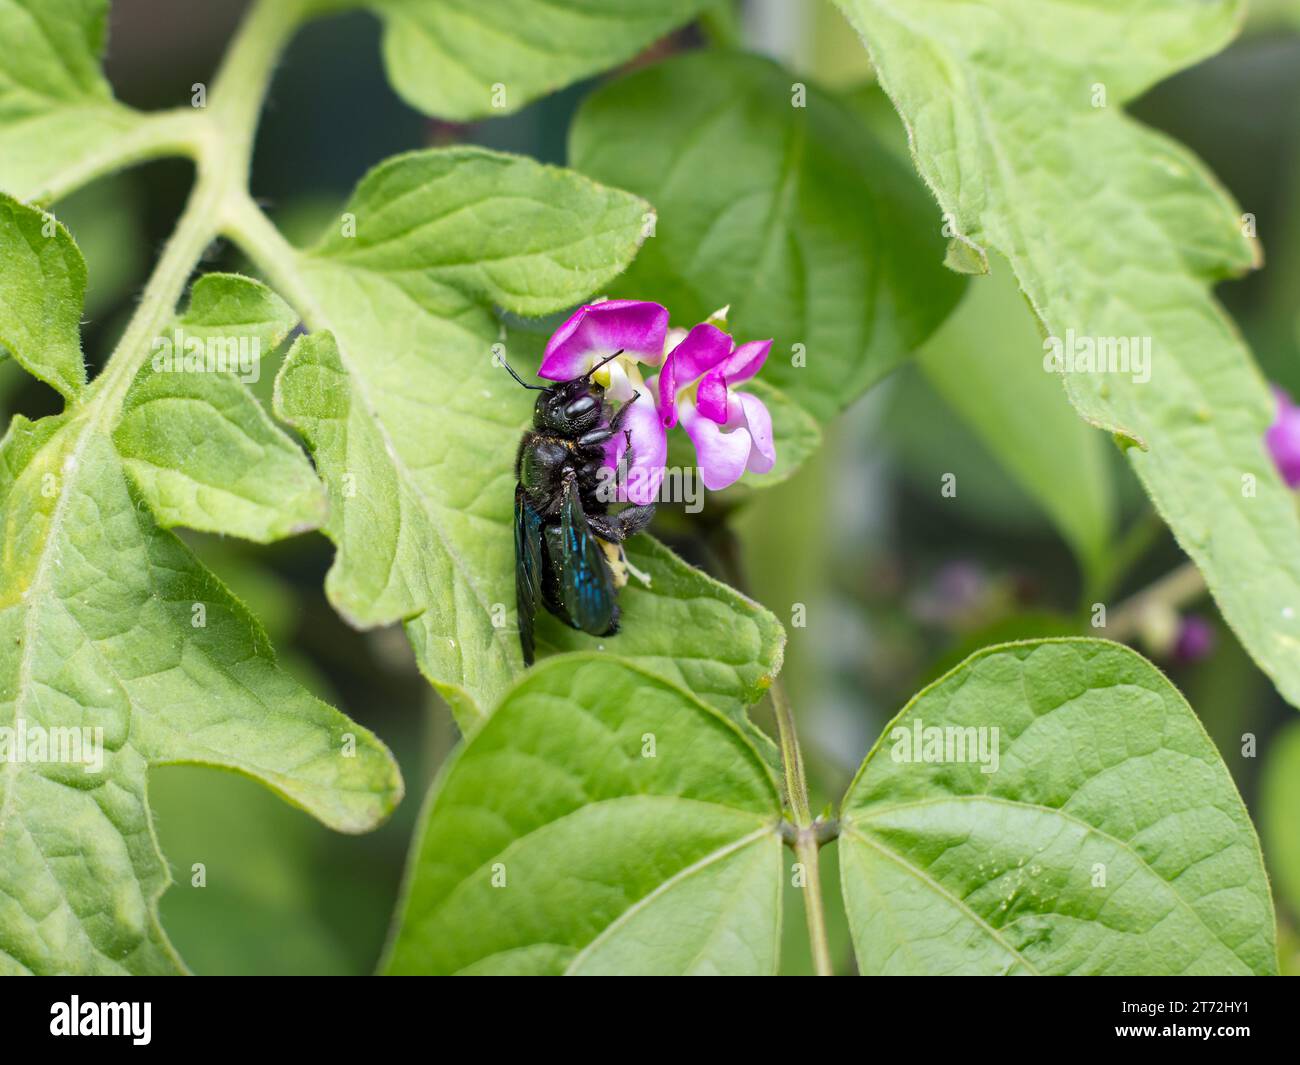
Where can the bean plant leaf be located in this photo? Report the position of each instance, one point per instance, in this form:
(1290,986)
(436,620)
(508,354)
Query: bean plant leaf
(415,427)
(118,651)
(464,59)
(1037,159)
(794,215)
(1107,839)
(59,123)
(602,821)
(198,445)
(41,292)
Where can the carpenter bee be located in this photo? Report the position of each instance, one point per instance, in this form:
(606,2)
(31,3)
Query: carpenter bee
(568,547)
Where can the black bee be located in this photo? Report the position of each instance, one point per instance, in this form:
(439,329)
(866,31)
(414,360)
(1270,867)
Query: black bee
(568,547)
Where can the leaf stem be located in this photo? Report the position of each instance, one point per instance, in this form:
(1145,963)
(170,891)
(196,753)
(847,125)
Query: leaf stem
(806,842)
(796,783)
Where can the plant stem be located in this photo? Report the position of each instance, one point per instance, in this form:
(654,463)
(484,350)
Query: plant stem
(1174,590)
(193,232)
(1133,545)
(806,850)
(805,843)
(241,84)
(721,25)
(796,784)
(221,143)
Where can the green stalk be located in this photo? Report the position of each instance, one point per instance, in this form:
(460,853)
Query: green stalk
(805,842)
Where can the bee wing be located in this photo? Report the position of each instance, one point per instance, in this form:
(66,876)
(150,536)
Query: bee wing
(528,569)
(586,582)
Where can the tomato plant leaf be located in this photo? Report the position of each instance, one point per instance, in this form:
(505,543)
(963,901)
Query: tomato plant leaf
(1038,160)
(601,821)
(196,442)
(41,292)
(422,482)
(118,651)
(1108,839)
(794,215)
(59,124)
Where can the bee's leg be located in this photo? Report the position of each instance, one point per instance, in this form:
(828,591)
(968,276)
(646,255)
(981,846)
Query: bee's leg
(606,527)
(618,527)
(633,520)
(616,422)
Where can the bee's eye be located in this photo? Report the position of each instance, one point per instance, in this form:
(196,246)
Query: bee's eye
(580,406)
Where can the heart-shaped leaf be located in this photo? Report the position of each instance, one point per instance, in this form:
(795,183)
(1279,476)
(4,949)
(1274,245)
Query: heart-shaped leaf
(773,197)
(1052,807)
(601,821)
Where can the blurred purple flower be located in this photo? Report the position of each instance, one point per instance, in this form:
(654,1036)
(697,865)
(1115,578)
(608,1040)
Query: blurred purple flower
(1196,639)
(1283,439)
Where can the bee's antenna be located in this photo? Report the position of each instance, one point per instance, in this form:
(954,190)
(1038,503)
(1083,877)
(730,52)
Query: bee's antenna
(511,371)
(607,358)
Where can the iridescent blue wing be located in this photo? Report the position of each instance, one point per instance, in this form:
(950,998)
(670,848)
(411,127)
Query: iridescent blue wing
(528,569)
(586,582)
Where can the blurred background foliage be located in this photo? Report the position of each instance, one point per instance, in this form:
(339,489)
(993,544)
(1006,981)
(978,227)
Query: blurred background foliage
(896,581)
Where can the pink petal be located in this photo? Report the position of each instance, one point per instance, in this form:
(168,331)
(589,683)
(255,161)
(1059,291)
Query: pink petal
(595,330)
(711,397)
(746,361)
(762,456)
(705,347)
(722,455)
(649,451)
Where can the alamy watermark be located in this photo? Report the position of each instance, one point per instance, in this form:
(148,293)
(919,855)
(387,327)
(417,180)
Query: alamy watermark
(61,745)
(1088,354)
(666,484)
(947,744)
(180,353)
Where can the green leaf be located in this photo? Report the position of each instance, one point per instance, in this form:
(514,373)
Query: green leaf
(602,821)
(1102,771)
(1025,163)
(986,362)
(795,216)
(464,59)
(421,476)
(198,445)
(41,291)
(690,629)
(59,124)
(112,633)
(1278,809)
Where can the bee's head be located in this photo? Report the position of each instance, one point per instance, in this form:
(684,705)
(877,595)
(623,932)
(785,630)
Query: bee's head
(571,407)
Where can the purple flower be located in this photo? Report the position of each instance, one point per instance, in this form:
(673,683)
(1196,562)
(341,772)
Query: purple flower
(1283,439)
(594,332)
(731,430)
